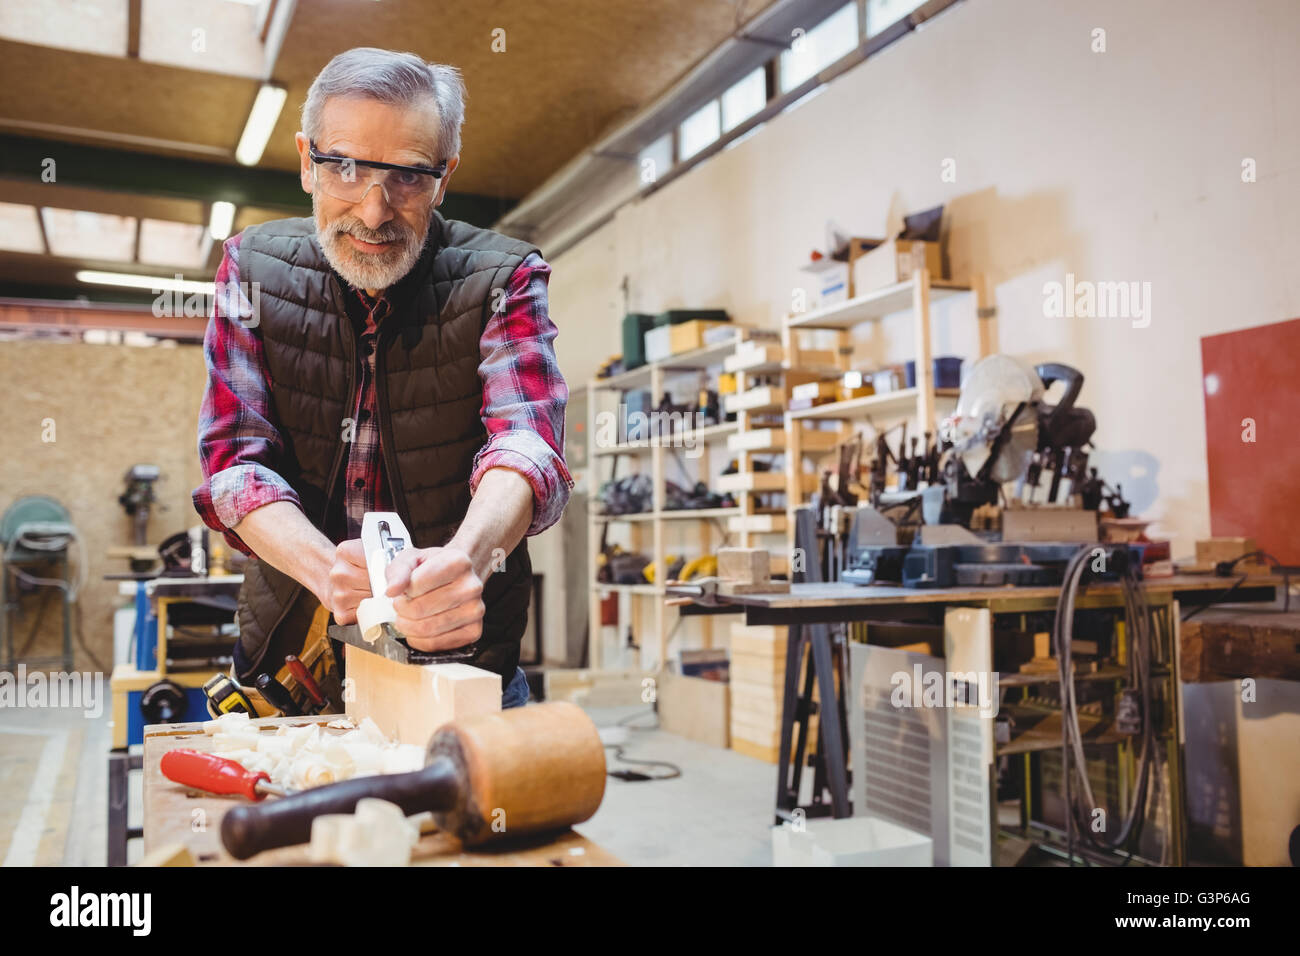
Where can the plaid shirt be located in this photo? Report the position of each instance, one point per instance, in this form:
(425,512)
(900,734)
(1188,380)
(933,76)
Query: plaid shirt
(240,445)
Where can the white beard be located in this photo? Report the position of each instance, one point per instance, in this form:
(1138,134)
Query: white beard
(367,270)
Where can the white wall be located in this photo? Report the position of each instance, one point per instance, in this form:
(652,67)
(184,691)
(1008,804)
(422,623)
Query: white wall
(1122,165)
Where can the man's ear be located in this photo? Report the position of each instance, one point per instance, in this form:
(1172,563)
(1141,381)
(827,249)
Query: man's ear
(304,172)
(446,178)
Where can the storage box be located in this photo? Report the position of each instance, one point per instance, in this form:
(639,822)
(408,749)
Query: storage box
(635,326)
(659,343)
(834,279)
(678,316)
(694,707)
(854,841)
(686,336)
(893,261)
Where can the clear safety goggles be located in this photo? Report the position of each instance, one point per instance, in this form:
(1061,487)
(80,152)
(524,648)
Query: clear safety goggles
(350,179)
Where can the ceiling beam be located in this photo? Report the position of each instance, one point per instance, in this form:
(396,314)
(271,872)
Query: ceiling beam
(146,174)
(70,318)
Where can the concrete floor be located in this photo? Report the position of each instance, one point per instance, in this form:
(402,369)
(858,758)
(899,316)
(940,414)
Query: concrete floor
(54,799)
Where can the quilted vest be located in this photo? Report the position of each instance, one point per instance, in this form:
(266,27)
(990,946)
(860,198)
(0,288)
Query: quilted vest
(429,403)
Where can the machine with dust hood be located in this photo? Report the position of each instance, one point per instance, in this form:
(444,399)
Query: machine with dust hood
(1005,458)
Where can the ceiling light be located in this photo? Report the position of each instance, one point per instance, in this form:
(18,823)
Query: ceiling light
(221,221)
(127,280)
(261,122)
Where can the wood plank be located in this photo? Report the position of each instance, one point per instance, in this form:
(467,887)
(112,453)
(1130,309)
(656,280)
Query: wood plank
(411,701)
(1230,643)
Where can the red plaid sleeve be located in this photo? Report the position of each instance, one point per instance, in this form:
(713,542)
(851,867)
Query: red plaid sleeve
(524,395)
(239,442)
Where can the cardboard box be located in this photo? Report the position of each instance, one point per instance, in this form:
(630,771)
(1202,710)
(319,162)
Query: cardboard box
(694,708)
(833,279)
(686,336)
(893,261)
(659,343)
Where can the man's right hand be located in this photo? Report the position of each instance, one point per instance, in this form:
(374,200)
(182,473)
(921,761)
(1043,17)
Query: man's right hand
(349,581)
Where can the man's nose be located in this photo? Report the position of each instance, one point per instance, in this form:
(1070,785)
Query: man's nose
(373,209)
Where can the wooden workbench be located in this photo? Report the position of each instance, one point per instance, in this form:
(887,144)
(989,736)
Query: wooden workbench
(842,596)
(176,815)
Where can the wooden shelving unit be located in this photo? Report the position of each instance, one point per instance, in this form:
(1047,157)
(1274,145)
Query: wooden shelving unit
(648,532)
(921,400)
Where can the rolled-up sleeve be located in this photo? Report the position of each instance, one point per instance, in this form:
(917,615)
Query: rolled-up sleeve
(524,394)
(240,444)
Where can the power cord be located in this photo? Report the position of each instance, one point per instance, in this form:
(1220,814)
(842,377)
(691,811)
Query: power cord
(1227,569)
(1079,806)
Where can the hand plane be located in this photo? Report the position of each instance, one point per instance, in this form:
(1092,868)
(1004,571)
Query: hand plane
(384,537)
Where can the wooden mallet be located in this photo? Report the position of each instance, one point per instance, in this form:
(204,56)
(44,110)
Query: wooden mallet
(494,776)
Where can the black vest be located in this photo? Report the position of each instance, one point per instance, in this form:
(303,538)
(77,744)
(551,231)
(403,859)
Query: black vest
(429,402)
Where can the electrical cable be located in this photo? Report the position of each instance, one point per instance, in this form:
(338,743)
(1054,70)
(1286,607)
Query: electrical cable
(633,776)
(1079,804)
(1229,565)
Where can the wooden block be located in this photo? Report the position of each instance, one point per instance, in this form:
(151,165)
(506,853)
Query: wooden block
(766,640)
(757,668)
(757,751)
(767,587)
(410,701)
(744,565)
(1214,550)
(694,708)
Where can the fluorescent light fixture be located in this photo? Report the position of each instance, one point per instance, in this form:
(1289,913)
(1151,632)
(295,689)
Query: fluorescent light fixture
(261,122)
(126,280)
(222,220)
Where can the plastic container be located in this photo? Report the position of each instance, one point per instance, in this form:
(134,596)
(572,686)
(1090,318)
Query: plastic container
(947,372)
(855,841)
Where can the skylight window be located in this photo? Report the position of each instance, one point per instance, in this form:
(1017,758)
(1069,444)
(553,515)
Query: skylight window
(173,244)
(818,48)
(77,234)
(88,26)
(20,230)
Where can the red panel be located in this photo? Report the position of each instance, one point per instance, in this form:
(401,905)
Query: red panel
(1255,486)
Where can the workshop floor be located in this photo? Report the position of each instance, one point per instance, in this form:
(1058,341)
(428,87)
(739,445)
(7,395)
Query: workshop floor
(54,797)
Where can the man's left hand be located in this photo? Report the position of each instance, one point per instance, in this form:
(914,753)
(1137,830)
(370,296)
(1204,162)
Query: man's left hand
(438,597)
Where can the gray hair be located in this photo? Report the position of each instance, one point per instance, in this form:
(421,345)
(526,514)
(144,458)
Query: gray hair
(390,77)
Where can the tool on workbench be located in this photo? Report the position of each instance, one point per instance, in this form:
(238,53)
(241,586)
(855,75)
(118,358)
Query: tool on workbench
(225,697)
(384,537)
(304,677)
(219,775)
(277,695)
(491,777)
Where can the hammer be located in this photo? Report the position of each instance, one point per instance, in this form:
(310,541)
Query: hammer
(527,770)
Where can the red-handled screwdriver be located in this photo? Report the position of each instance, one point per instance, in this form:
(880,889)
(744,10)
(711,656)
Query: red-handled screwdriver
(204,771)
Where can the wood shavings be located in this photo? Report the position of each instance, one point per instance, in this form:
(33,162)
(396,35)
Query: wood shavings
(307,755)
(376,834)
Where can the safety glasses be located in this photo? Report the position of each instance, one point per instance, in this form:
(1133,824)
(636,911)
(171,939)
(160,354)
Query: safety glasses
(350,179)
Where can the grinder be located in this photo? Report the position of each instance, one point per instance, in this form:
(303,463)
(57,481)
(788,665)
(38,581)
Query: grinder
(490,777)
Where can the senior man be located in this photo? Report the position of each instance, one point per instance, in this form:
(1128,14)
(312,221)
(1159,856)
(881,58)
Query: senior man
(399,361)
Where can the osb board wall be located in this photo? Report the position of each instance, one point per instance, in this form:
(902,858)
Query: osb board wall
(113,406)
